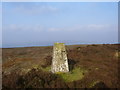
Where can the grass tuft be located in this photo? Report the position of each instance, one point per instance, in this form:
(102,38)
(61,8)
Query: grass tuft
(75,74)
(93,84)
(47,69)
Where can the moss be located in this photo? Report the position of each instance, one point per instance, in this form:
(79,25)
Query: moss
(59,73)
(47,69)
(59,45)
(93,84)
(75,74)
(35,66)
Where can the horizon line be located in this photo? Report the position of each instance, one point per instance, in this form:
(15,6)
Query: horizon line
(53,45)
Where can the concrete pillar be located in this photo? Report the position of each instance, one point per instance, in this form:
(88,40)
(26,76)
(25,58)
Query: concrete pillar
(59,60)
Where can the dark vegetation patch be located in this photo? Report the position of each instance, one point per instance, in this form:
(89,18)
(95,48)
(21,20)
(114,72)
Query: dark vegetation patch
(35,78)
(71,64)
(100,85)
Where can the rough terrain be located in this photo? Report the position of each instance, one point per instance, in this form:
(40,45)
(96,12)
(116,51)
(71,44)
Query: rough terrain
(91,66)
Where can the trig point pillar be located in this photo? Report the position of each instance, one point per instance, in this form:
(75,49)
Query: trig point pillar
(59,60)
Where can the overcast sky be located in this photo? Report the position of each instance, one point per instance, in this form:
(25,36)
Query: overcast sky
(29,23)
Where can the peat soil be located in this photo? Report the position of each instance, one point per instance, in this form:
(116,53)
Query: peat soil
(20,67)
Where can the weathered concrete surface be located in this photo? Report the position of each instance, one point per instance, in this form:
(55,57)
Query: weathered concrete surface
(59,61)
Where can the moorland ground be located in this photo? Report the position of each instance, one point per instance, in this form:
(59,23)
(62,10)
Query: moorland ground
(90,66)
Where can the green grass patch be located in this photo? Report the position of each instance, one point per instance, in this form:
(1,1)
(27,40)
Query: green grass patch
(75,74)
(93,84)
(47,69)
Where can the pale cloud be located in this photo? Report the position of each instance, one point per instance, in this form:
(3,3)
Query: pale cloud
(15,27)
(37,28)
(54,29)
(35,9)
(91,27)
(98,27)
